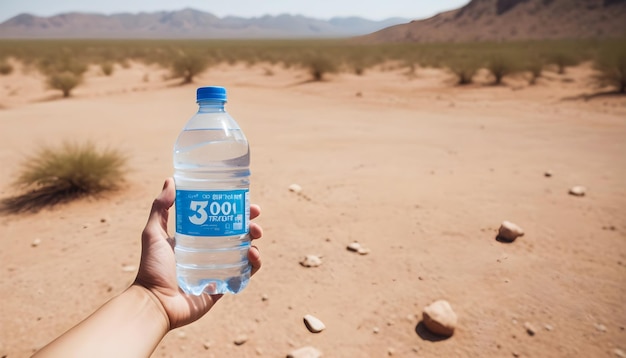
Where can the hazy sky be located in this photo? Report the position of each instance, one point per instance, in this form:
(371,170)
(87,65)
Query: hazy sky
(321,9)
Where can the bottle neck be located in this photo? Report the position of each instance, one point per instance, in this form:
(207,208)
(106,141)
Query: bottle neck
(211,106)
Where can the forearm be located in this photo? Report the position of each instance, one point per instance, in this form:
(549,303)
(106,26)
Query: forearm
(129,325)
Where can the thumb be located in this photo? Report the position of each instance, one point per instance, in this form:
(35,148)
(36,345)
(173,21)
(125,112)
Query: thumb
(160,207)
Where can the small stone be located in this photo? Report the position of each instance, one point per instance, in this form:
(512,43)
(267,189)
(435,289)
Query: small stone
(548,327)
(258,351)
(241,339)
(363,251)
(305,352)
(181,334)
(376,330)
(264,297)
(103,220)
(439,318)
(129,268)
(530,329)
(206,345)
(509,231)
(313,324)
(619,353)
(311,261)
(36,242)
(601,327)
(390,351)
(547,174)
(295,188)
(354,247)
(578,191)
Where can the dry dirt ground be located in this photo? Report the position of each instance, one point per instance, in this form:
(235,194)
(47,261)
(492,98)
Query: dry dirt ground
(419,171)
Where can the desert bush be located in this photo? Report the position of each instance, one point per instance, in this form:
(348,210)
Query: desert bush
(562,60)
(463,69)
(319,66)
(107,68)
(500,65)
(59,174)
(611,67)
(5,67)
(64,81)
(534,66)
(188,65)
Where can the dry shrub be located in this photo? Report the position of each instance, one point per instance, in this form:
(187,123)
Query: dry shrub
(107,68)
(611,67)
(70,171)
(463,69)
(64,81)
(534,66)
(562,60)
(64,71)
(188,65)
(319,66)
(5,67)
(500,65)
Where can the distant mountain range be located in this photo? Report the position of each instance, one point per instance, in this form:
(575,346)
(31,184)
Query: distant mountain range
(499,20)
(187,23)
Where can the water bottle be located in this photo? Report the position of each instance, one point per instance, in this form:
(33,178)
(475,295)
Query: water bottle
(212,175)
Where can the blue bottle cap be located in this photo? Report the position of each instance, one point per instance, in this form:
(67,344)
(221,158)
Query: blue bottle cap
(211,93)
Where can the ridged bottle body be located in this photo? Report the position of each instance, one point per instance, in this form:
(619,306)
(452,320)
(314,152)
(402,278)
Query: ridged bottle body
(212,175)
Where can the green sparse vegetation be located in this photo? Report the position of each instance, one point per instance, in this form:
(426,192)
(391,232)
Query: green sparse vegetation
(562,60)
(59,174)
(500,65)
(611,67)
(464,70)
(187,58)
(534,66)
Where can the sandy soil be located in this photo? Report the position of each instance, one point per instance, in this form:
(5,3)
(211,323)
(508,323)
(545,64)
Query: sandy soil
(419,171)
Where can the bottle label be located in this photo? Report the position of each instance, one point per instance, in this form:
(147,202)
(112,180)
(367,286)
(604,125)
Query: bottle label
(212,213)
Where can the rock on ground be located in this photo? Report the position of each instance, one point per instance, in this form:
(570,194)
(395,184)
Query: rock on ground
(578,191)
(241,339)
(509,231)
(439,318)
(313,324)
(311,261)
(305,352)
(295,188)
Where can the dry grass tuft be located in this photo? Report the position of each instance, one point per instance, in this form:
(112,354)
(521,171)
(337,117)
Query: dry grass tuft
(58,175)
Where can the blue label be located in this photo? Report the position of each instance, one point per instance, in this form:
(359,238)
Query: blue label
(212,213)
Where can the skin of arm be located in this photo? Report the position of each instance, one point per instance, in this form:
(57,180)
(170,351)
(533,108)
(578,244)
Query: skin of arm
(133,323)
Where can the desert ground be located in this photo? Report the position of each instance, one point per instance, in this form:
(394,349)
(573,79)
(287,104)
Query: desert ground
(414,168)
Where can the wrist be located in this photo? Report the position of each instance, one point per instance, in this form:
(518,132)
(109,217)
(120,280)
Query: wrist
(151,306)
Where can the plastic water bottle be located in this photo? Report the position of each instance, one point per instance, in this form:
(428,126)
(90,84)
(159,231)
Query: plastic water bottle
(212,175)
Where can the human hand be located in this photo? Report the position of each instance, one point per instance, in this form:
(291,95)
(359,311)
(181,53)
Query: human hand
(157,270)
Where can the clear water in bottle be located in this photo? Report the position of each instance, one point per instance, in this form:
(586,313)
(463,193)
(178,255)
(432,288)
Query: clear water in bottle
(211,171)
